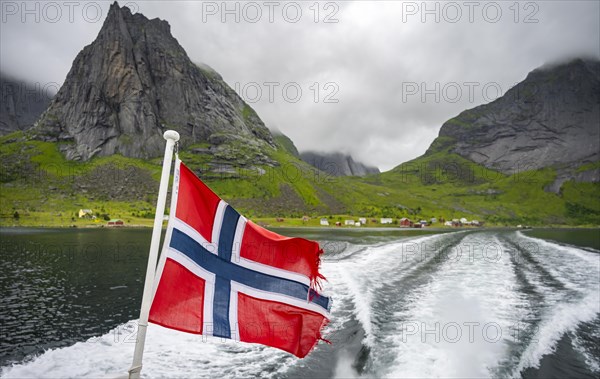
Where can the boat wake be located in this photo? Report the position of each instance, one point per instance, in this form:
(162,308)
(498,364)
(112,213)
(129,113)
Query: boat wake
(481,304)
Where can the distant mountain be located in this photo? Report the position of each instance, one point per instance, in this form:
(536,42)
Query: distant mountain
(21,104)
(334,164)
(337,164)
(551,119)
(135,81)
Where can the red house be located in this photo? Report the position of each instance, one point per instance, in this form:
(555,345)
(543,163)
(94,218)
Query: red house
(405,223)
(115,222)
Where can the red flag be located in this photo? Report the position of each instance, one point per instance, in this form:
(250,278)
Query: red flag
(222,275)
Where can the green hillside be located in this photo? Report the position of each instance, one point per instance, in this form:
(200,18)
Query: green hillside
(457,187)
(40,187)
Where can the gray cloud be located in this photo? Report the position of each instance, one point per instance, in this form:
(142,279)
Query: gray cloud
(371,61)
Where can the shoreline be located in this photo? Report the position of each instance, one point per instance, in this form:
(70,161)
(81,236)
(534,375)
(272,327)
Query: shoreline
(294,226)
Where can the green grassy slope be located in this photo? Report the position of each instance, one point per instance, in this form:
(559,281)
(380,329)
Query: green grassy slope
(39,187)
(456,187)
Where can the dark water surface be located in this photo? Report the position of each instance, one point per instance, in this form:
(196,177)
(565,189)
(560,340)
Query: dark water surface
(62,286)
(404,301)
(577,237)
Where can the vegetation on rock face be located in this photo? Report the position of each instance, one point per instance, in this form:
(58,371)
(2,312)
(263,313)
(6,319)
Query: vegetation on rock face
(44,188)
(285,142)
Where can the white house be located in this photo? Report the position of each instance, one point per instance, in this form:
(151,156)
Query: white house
(324,222)
(386,220)
(85,213)
(448,223)
(349,222)
(464,221)
(362,220)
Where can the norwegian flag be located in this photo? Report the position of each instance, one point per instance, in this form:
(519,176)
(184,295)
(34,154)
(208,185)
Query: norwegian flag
(222,275)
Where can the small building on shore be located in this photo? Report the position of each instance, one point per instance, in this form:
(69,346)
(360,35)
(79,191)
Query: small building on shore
(324,222)
(405,222)
(385,220)
(115,222)
(349,222)
(86,213)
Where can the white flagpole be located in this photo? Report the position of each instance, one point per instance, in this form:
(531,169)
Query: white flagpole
(136,367)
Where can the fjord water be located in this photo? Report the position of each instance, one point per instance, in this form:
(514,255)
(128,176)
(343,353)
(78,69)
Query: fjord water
(483,303)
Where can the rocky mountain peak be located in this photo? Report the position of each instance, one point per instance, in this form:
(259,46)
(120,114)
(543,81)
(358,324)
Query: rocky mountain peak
(573,68)
(120,23)
(133,82)
(550,119)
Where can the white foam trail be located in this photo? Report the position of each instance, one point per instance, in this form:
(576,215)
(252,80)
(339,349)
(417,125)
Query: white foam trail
(362,299)
(168,353)
(363,275)
(344,369)
(563,318)
(593,361)
(354,286)
(587,256)
(472,289)
(338,250)
(458,325)
(580,270)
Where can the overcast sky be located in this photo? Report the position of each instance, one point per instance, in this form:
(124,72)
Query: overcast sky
(377,78)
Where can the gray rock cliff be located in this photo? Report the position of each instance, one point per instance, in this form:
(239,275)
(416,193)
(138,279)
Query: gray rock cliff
(551,119)
(132,83)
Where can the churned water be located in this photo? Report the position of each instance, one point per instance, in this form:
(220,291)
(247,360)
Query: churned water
(484,303)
